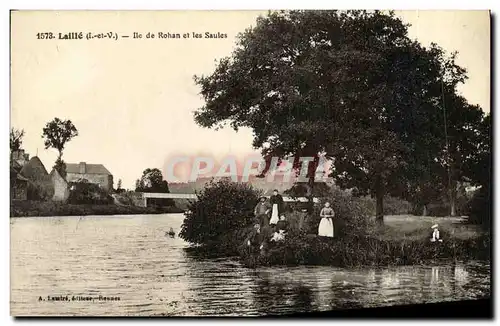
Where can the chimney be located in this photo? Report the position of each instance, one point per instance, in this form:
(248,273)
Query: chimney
(83,168)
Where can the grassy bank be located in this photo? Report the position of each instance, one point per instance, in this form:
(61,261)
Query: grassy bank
(402,240)
(50,208)
(304,249)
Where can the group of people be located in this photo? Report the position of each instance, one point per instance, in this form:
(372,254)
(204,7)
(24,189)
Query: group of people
(270,225)
(269,216)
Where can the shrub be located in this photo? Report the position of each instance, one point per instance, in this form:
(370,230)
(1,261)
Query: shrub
(299,248)
(40,189)
(221,214)
(352,214)
(50,208)
(88,193)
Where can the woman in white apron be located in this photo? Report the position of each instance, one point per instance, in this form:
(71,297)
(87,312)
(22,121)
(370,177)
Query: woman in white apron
(325,228)
(277,207)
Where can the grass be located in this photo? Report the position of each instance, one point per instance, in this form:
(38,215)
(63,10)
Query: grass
(416,227)
(401,240)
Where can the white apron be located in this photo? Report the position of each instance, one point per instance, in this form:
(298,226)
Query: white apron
(274,215)
(325,228)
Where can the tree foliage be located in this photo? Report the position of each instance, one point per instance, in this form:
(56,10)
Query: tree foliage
(88,193)
(348,85)
(57,133)
(222,209)
(152,181)
(16,139)
(60,167)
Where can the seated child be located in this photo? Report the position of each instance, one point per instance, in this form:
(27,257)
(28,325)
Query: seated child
(282,224)
(435,234)
(278,236)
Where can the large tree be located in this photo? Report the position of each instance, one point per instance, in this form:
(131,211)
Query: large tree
(465,142)
(349,85)
(152,181)
(57,133)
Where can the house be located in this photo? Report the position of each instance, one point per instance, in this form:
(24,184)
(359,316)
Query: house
(19,159)
(18,183)
(61,187)
(93,173)
(18,186)
(39,182)
(34,169)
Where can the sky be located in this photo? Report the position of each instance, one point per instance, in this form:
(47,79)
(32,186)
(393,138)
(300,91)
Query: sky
(132,100)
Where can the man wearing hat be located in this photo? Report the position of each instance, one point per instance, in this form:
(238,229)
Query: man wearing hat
(261,211)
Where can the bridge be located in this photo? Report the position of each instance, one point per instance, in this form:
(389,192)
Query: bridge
(146,195)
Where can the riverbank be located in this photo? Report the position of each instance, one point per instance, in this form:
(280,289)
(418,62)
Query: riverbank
(402,240)
(49,208)
(305,249)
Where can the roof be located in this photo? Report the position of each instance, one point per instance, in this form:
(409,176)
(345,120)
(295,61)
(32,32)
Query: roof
(89,168)
(34,169)
(56,173)
(15,164)
(13,173)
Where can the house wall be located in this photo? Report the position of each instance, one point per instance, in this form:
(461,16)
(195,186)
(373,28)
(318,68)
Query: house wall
(61,189)
(19,191)
(106,181)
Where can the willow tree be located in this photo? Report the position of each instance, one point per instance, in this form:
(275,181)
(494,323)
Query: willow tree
(349,85)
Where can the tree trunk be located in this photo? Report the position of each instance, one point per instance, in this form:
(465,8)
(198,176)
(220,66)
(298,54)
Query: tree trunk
(424,212)
(453,199)
(380,206)
(379,195)
(310,197)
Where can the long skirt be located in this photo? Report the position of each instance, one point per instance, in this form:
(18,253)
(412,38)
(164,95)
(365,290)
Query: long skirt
(274,215)
(325,228)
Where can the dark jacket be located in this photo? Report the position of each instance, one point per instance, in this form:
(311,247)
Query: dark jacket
(278,200)
(261,208)
(282,225)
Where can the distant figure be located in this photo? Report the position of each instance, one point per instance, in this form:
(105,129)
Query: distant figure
(277,207)
(171,233)
(325,228)
(435,234)
(261,211)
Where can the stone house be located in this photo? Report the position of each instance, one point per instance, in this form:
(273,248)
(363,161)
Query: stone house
(18,186)
(61,187)
(19,158)
(93,173)
(39,182)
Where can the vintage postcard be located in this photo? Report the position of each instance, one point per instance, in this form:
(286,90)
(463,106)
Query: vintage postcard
(248,163)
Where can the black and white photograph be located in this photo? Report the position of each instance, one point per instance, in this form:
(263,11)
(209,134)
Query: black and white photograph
(250,163)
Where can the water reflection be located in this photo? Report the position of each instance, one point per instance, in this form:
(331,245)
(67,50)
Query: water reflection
(154,275)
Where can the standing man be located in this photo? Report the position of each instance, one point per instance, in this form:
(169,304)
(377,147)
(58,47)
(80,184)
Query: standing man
(261,211)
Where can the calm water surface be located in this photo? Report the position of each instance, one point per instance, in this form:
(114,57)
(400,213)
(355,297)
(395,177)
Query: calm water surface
(130,257)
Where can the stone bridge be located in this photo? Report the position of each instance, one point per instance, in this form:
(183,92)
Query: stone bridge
(146,195)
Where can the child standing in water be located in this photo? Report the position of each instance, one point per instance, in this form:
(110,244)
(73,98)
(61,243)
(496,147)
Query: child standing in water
(325,228)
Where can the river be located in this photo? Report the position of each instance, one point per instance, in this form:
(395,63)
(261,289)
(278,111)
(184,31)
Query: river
(131,258)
